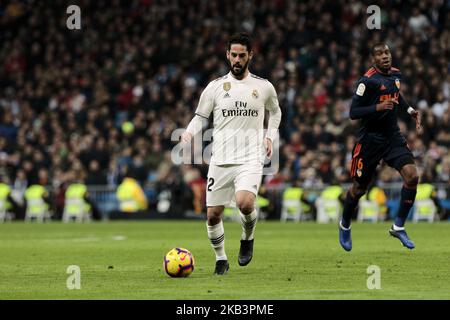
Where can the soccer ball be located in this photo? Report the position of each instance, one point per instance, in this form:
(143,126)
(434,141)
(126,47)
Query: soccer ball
(179,262)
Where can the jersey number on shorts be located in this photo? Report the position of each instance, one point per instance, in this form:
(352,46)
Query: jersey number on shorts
(210,183)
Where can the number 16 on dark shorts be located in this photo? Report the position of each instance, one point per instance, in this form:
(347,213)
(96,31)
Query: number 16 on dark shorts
(364,161)
(368,153)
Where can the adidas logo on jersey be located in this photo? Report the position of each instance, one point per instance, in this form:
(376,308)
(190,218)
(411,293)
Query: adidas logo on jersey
(227,95)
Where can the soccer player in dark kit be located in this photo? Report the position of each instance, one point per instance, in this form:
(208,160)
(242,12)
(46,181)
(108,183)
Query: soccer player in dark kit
(376,102)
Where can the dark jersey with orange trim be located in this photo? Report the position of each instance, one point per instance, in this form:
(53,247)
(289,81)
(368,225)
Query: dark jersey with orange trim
(373,88)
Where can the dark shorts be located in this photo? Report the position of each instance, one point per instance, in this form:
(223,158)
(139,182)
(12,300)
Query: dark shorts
(370,150)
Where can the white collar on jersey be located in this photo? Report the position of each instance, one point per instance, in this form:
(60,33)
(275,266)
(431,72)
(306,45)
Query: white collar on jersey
(243,79)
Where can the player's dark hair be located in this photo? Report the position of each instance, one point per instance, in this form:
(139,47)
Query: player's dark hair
(377,45)
(241,38)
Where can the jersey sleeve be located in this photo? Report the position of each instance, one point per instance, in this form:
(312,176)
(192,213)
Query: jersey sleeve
(360,106)
(271,103)
(273,107)
(403,104)
(206,102)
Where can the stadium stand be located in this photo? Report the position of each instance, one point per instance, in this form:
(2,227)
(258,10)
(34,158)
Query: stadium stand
(102,101)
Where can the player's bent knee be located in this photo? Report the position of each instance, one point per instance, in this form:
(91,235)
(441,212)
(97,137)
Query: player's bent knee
(412,180)
(213,219)
(410,176)
(358,190)
(245,202)
(360,193)
(246,208)
(214,215)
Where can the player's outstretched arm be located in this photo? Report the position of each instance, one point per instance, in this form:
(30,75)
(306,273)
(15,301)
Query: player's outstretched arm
(272,127)
(204,109)
(274,120)
(417,117)
(415,114)
(194,127)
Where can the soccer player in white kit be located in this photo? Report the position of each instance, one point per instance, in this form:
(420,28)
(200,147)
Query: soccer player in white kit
(238,102)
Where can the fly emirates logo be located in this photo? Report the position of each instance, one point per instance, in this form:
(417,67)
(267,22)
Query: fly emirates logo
(239,110)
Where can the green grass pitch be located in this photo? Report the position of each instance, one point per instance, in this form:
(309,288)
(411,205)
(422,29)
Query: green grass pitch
(123,260)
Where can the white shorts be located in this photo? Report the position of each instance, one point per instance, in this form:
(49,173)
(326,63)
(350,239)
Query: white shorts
(225,180)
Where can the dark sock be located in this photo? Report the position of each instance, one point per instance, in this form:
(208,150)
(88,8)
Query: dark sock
(350,205)
(406,202)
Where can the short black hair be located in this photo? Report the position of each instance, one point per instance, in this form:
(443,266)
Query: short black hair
(377,45)
(241,38)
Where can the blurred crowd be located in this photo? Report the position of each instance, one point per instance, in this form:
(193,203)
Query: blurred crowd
(102,102)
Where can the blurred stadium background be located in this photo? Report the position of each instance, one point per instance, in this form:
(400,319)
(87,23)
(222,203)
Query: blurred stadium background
(98,103)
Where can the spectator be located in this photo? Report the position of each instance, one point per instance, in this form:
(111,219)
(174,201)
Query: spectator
(64,96)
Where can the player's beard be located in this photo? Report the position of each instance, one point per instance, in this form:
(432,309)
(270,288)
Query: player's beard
(241,71)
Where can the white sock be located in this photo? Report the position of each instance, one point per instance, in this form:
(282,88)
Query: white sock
(342,227)
(397,228)
(216,235)
(248,223)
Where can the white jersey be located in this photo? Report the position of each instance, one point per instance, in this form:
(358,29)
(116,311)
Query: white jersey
(238,108)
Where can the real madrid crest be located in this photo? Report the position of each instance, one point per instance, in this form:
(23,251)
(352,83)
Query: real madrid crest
(397,83)
(227,86)
(255,94)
